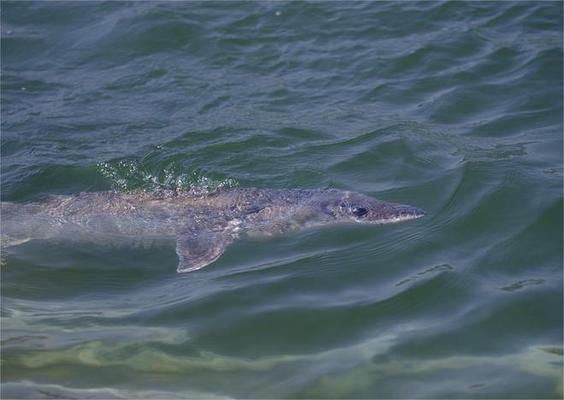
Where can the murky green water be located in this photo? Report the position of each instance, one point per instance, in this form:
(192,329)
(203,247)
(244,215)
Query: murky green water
(452,107)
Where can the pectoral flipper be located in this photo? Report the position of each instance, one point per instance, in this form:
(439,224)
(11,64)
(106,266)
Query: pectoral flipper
(199,248)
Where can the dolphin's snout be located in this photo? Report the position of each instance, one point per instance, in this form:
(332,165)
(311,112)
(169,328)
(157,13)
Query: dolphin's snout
(409,212)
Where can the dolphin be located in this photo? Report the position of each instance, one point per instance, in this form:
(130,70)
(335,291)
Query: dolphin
(203,224)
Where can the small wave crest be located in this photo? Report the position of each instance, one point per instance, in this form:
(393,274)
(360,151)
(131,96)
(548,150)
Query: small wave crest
(127,175)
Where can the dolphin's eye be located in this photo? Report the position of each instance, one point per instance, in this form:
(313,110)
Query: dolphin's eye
(359,211)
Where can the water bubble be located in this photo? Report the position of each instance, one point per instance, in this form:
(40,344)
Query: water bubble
(126,175)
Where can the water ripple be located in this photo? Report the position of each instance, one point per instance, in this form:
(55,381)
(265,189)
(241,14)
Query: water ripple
(453,107)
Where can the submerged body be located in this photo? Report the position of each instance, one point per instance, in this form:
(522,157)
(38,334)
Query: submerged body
(203,225)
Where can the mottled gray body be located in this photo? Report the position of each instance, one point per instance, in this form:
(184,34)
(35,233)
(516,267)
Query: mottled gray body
(203,225)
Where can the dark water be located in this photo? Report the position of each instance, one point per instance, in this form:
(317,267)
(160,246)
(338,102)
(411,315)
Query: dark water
(452,107)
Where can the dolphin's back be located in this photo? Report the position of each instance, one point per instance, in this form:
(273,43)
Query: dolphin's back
(86,216)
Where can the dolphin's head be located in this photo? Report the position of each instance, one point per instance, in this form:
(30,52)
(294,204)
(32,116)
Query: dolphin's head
(346,206)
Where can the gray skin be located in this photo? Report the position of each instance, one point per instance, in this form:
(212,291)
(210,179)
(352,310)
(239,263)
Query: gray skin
(203,224)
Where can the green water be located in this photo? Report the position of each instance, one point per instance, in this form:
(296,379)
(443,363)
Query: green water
(455,107)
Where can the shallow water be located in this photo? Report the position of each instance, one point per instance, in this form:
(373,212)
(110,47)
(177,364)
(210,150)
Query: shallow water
(452,107)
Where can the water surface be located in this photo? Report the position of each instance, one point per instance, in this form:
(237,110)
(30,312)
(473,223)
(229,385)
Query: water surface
(452,107)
